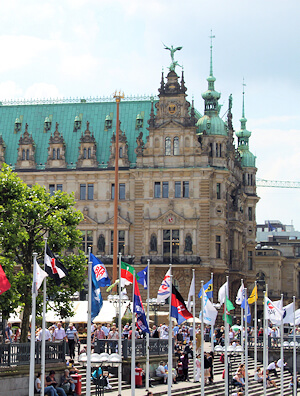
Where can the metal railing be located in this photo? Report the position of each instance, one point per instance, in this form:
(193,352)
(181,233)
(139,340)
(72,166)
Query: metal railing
(157,346)
(17,354)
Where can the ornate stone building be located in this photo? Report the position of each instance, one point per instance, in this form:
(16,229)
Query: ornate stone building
(187,195)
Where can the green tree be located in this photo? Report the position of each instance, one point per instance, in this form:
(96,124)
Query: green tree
(27,216)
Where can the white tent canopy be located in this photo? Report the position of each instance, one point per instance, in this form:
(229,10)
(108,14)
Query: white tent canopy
(107,313)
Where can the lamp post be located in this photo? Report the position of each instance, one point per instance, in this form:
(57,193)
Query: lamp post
(114,300)
(102,360)
(155,305)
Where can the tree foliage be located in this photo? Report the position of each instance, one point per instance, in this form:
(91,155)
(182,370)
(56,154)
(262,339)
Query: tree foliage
(27,216)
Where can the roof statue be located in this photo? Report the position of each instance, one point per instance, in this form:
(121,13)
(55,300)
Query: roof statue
(172,52)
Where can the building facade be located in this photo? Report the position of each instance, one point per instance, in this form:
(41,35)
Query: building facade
(187,194)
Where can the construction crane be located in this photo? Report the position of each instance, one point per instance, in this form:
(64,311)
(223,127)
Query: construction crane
(277,183)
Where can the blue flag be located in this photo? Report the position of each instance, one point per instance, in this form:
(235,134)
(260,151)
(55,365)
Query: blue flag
(138,308)
(208,288)
(99,271)
(246,307)
(142,277)
(97,302)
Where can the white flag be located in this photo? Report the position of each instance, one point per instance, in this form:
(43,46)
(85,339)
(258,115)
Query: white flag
(278,304)
(272,313)
(38,277)
(240,295)
(222,293)
(209,312)
(164,290)
(191,293)
(297,317)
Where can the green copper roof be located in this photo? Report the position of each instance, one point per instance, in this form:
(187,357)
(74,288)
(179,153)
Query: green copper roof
(212,125)
(65,113)
(243,135)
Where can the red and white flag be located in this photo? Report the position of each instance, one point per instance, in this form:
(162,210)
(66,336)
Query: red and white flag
(164,290)
(4,283)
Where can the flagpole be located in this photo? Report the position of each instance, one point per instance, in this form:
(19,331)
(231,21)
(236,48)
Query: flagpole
(246,342)
(194,326)
(265,343)
(170,351)
(267,335)
(120,329)
(147,334)
(202,339)
(43,351)
(242,326)
(212,326)
(89,323)
(294,352)
(32,332)
(133,341)
(255,327)
(281,350)
(226,339)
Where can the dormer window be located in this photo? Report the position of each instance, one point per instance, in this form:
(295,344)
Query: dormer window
(121,152)
(139,121)
(108,122)
(77,123)
(18,125)
(47,124)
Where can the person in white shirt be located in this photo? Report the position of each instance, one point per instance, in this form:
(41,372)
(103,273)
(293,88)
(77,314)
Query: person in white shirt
(47,335)
(272,368)
(59,333)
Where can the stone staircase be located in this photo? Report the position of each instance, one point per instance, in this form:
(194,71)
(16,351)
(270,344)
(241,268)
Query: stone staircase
(194,389)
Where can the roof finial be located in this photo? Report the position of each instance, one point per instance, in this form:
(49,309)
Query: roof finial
(243,111)
(211,47)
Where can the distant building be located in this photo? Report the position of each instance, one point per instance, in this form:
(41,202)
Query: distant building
(278,260)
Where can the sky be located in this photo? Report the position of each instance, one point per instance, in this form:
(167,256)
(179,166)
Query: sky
(83,48)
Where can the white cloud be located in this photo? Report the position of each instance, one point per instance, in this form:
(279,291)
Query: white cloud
(10,90)
(42,90)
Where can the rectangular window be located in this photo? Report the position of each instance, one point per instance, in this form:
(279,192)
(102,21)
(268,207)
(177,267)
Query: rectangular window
(218,246)
(111,242)
(218,190)
(250,261)
(87,241)
(51,189)
(121,242)
(90,192)
(113,191)
(157,189)
(122,191)
(165,190)
(177,189)
(186,189)
(170,245)
(82,191)
(250,213)
(59,187)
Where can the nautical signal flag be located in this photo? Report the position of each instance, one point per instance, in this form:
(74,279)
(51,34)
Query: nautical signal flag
(179,310)
(54,267)
(208,288)
(4,283)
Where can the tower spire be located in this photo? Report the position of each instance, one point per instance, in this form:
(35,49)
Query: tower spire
(243,120)
(211,47)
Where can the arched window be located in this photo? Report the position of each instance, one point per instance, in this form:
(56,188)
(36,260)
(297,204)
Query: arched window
(23,154)
(121,152)
(168,146)
(58,153)
(84,153)
(176,146)
(27,154)
(89,152)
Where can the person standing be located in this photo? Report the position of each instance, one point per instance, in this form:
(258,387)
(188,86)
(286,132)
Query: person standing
(71,337)
(59,333)
(8,333)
